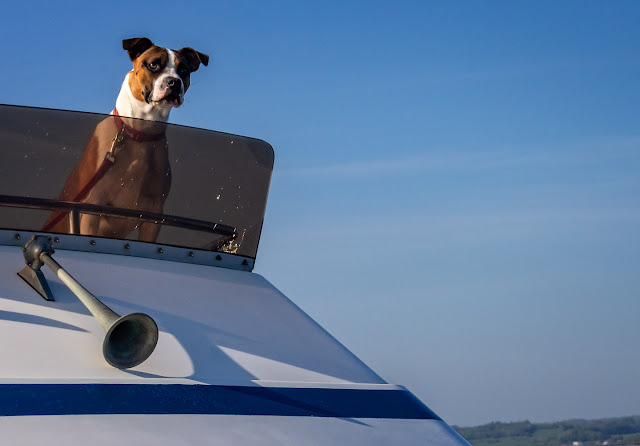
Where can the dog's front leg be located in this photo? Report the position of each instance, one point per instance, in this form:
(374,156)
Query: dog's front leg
(89,224)
(148,232)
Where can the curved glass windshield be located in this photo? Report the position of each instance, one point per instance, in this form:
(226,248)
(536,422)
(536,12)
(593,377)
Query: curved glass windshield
(107,176)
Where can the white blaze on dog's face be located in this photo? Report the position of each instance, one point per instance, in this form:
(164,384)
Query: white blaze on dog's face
(161,76)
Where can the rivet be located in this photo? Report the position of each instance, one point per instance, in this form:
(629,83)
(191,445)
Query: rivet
(127,246)
(218,257)
(17,237)
(245,262)
(92,243)
(160,251)
(191,254)
(56,240)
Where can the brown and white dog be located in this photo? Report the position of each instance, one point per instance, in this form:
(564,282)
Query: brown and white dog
(125,164)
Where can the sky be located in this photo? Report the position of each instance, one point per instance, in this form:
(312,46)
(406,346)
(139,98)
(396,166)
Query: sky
(456,191)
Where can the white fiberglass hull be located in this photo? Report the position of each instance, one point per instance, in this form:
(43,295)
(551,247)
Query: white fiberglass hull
(236,363)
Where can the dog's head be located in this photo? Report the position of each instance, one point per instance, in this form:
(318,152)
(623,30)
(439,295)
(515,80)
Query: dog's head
(161,76)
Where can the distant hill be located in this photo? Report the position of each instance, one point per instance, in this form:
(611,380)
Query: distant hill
(610,431)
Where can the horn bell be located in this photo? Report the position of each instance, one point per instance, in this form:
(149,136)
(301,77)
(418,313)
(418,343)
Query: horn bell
(130,340)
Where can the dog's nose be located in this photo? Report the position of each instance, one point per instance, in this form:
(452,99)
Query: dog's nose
(174,82)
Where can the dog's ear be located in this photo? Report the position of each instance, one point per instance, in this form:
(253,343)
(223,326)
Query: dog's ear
(194,58)
(136,46)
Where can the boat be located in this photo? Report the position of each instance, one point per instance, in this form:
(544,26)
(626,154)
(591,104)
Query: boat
(109,339)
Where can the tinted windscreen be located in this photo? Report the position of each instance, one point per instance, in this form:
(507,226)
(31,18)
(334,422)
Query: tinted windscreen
(104,162)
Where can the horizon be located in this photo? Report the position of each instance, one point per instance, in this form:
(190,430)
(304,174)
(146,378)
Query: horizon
(455,194)
(568,420)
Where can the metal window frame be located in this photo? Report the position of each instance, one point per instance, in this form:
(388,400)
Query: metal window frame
(131,248)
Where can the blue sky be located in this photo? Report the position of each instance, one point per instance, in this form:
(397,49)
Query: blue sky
(456,191)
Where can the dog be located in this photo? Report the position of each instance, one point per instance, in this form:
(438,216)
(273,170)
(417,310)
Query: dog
(125,163)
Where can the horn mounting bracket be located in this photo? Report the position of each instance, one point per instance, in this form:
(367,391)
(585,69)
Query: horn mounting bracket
(32,274)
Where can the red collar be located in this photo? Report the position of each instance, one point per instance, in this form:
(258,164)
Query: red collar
(132,133)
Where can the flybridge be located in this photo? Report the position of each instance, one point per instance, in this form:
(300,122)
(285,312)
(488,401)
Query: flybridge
(213,189)
(131,187)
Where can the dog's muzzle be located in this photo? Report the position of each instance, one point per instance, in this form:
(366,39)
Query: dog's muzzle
(169,91)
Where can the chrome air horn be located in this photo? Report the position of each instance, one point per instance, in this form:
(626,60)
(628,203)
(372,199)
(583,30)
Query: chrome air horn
(130,339)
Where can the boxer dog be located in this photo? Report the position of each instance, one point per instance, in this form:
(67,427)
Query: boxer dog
(125,164)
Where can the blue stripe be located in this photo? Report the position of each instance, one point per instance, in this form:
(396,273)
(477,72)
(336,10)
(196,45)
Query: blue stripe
(102,399)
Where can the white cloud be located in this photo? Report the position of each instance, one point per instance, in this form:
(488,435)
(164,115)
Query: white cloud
(412,164)
(575,154)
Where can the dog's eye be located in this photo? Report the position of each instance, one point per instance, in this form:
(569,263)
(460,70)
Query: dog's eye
(153,66)
(182,71)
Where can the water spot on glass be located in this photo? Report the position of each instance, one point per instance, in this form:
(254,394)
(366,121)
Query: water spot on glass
(232,246)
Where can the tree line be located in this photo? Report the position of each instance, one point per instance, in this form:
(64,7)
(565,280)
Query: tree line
(612,431)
